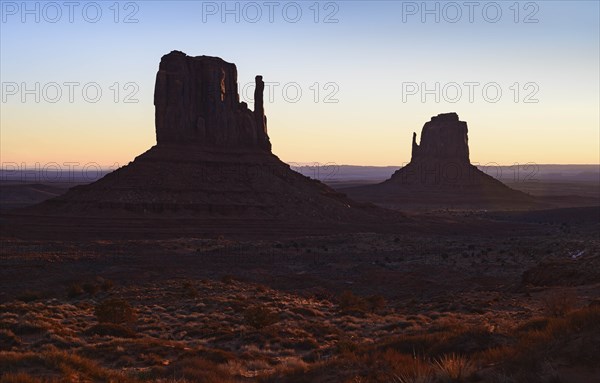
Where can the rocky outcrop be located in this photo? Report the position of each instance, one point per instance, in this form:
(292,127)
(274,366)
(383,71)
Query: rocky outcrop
(197,102)
(259,114)
(212,161)
(440,174)
(443,138)
(442,156)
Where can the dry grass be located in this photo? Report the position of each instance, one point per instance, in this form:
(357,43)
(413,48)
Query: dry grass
(409,369)
(259,316)
(454,368)
(559,304)
(24,378)
(116,311)
(196,329)
(201,370)
(573,337)
(55,361)
(430,354)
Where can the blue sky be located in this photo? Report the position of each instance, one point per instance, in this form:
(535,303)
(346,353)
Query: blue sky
(364,61)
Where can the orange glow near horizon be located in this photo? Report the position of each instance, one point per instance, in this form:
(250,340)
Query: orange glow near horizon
(357,103)
(109,138)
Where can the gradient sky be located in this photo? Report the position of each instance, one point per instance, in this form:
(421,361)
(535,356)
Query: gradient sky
(366,57)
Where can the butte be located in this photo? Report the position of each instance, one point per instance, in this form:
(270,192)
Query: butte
(212,164)
(440,175)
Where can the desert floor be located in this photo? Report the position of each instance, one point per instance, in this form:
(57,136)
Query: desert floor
(520,305)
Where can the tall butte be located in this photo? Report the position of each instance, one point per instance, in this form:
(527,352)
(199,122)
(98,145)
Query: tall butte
(440,174)
(212,160)
(197,103)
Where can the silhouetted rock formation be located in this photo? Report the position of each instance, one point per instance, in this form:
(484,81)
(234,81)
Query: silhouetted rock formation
(197,103)
(442,157)
(442,138)
(440,174)
(212,160)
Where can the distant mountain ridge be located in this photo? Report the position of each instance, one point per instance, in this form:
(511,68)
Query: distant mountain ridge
(331,172)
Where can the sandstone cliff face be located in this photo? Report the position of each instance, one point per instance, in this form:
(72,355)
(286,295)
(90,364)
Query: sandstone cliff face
(443,138)
(441,159)
(197,103)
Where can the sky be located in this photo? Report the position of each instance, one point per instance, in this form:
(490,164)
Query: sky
(348,82)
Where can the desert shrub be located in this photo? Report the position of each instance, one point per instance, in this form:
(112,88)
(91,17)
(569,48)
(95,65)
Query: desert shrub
(201,370)
(587,318)
(260,316)
(535,324)
(116,311)
(351,303)
(91,288)
(106,284)
(559,304)
(261,288)
(321,294)
(346,346)
(189,290)
(125,361)
(292,365)
(74,290)
(403,366)
(454,368)
(376,303)
(572,338)
(415,371)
